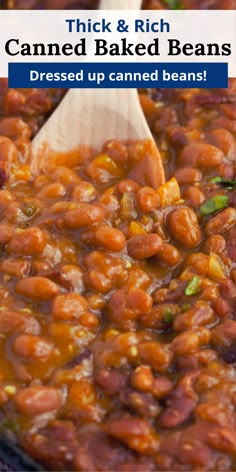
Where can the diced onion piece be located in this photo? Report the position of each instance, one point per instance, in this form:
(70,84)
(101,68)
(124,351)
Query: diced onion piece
(128,206)
(216,267)
(135,228)
(169,192)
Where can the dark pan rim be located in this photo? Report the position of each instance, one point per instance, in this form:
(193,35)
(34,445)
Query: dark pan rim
(16,458)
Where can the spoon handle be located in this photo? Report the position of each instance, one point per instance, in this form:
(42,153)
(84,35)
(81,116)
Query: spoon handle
(120,4)
(92,116)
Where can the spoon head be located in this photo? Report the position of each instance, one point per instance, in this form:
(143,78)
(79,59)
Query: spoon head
(85,119)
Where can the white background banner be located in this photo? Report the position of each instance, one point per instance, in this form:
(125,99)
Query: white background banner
(177,36)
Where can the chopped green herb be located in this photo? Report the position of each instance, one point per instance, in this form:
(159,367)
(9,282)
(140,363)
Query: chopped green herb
(193,287)
(9,424)
(230,183)
(215,180)
(168,315)
(174,4)
(185,307)
(218,202)
(220,180)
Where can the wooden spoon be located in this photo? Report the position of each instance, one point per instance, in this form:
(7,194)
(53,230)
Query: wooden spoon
(91,117)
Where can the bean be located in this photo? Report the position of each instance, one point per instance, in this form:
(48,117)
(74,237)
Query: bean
(189,341)
(126,308)
(159,295)
(37,400)
(53,255)
(69,306)
(229,108)
(222,222)
(194,195)
(231,244)
(143,404)
(72,277)
(61,207)
(41,180)
(199,358)
(39,102)
(104,272)
(21,173)
(109,238)
(222,308)
(33,348)
(28,242)
(39,288)
(65,176)
(181,402)
(223,440)
(109,202)
(12,321)
(166,118)
(81,394)
(127,185)
(42,268)
(182,136)
(102,170)
(233,275)
(83,192)
(142,378)
(148,199)
(212,266)
(144,245)
(16,267)
(5,198)
(215,243)
(184,228)
(8,150)
(161,387)
(201,155)
(116,150)
(138,278)
(224,334)
(14,101)
(4,173)
(228,289)
(7,232)
(96,302)
(200,262)
(156,354)
(85,215)
(110,381)
(157,317)
(51,191)
(201,314)
(188,175)
(15,128)
(169,255)
(89,320)
(135,432)
(210,293)
(226,170)
(139,301)
(224,140)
